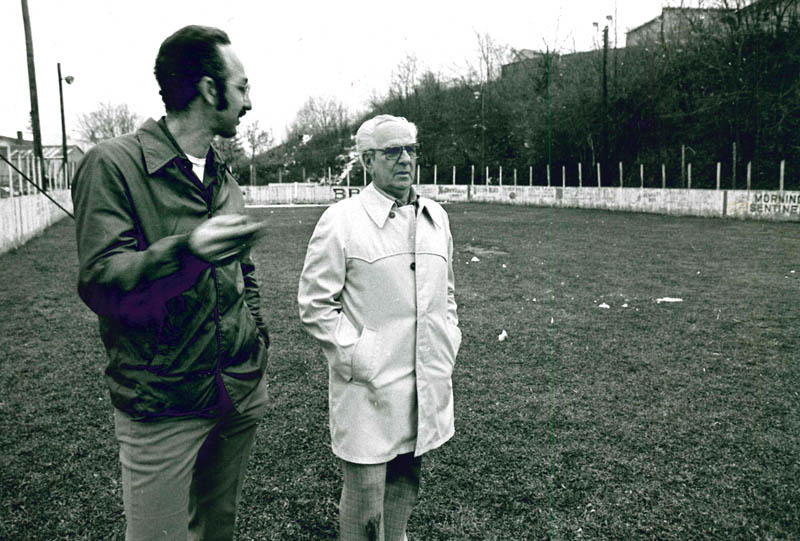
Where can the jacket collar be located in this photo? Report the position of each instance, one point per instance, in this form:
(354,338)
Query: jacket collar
(378,206)
(160,148)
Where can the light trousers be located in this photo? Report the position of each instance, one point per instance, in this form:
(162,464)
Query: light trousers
(182,478)
(377,499)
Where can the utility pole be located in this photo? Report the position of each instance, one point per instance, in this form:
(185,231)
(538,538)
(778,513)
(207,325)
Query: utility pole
(37,136)
(69,80)
(605,154)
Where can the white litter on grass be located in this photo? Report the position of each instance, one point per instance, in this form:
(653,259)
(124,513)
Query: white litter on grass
(604,305)
(504,266)
(625,305)
(474,259)
(668,299)
(502,336)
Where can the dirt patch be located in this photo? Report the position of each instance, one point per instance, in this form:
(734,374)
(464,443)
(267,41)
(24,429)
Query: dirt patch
(481,251)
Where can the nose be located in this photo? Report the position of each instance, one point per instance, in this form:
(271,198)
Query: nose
(247,103)
(405,157)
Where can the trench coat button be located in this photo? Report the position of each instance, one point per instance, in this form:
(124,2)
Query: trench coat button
(413,265)
(392,214)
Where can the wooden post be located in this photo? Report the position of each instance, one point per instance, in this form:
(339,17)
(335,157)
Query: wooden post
(10,176)
(599,180)
(663,177)
(719,171)
(563,176)
(749,174)
(733,168)
(530,175)
(783,170)
(515,176)
(501,176)
(435,167)
(641,175)
(580,176)
(683,166)
(329,175)
(454,174)
(620,174)
(689,172)
(472,176)
(487,176)
(548,175)
(416,178)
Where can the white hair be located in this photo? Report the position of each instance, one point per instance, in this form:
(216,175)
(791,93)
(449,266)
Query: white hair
(365,136)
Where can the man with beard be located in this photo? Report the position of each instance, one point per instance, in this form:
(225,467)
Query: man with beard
(163,248)
(376,290)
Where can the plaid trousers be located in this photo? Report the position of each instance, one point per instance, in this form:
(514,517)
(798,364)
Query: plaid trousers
(377,499)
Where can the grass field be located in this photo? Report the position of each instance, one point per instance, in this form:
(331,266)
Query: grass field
(643,420)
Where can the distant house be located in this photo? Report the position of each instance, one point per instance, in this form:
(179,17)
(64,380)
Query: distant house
(19,151)
(770,14)
(524,61)
(674,25)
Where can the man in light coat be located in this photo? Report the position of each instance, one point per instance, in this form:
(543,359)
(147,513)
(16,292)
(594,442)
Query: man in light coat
(376,291)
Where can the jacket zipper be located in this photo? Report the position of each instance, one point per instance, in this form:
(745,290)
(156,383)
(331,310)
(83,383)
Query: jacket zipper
(223,393)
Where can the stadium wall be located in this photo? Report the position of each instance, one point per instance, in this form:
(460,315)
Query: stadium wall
(754,205)
(24,217)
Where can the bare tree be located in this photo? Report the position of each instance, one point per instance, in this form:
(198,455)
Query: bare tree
(319,115)
(257,139)
(106,122)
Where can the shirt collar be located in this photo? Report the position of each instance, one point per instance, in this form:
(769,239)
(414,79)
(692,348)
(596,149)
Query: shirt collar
(160,148)
(378,205)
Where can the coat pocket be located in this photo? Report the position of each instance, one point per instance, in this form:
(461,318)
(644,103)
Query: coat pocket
(364,361)
(455,338)
(355,359)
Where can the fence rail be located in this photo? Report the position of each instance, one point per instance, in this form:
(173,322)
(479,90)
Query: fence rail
(681,175)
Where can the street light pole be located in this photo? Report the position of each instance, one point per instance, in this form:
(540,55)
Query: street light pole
(69,80)
(37,137)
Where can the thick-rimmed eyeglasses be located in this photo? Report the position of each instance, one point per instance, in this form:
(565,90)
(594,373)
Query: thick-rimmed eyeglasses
(394,153)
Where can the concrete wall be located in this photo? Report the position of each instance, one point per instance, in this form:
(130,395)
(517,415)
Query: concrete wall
(757,205)
(24,217)
(21,218)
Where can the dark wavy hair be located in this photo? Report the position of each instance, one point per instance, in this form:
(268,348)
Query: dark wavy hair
(184,58)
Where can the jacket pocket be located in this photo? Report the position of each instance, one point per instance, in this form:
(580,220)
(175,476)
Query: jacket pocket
(355,359)
(455,338)
(363,361)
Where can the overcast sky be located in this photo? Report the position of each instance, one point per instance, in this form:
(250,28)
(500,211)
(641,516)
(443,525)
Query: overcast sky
(291,51)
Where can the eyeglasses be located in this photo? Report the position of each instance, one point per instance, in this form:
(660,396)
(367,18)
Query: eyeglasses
(394,153)
(244,89)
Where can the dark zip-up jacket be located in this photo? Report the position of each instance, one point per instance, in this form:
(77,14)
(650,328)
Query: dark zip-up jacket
(183,337)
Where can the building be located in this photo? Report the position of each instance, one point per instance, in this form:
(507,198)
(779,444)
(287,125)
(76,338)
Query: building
(524,61)
(675,25)
(19,151)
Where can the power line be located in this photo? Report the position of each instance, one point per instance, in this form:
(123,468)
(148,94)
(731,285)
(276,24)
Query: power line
(43,192)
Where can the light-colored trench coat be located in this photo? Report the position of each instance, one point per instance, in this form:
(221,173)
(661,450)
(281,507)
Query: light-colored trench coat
(377,292)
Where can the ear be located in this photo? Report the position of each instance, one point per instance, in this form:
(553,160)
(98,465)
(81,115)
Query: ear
(369,156)
(208,90)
